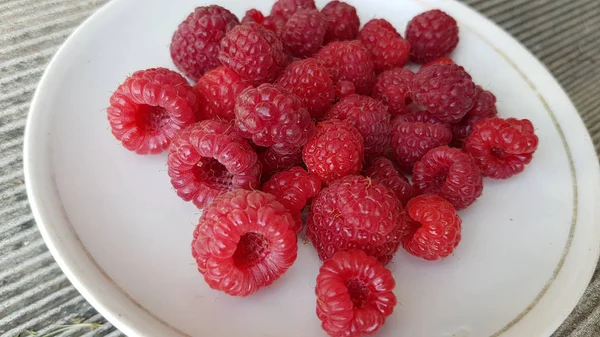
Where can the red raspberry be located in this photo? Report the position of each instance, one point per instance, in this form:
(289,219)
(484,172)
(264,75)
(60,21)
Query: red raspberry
(287,8)
(484,107)
(336,150)
(310,81)
(217,91)
(443,60)
(303,33)
(370,117)
(432,34)
(274,23)
(446,90)
(195,43)
(416,133)
(253,15)
(150,108)
(342,21)
(502,147)
(354,295)
(450,173)
(344,89)
(272,162)
(253,52)
(273,118)
(208,159)
(384,171)
(431,227)
(392,87)
(387,47)
(244,241)
(349,61)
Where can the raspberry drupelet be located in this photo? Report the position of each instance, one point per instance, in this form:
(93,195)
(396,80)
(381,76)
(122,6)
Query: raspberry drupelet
(217,91)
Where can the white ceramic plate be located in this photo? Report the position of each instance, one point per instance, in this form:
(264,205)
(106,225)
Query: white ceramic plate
(122,236)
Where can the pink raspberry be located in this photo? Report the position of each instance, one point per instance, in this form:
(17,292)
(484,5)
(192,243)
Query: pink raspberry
(217,91)
(287,8)
(150,108)
(388,48)
(303,33)
(195,43)
(484,107)
(272,162)
(432,34)
(392,87)
(342,20)
(384,171)
(253,16)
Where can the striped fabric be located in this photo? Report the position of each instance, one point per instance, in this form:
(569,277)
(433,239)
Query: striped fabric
(35,295)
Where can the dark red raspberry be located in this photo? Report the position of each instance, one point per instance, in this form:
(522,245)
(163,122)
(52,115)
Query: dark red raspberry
(274,23)
(387,47)
(392,87)
(344,89)
(370,117)
(349,61)
(303,33)
(245,240)
(195,43)
(432,229)
(355,212)
(502,147)
(343,22)
(210,158)
(484,107)
(416,133)
(150,108)
(384,171)
(273,118)
(287,8)
(253,15)
(354,295)
(450,173)
(253,52)
(272,162)
(446,90)
(336,150)
(310,81)
(217,91)
(443,60)
(432,34)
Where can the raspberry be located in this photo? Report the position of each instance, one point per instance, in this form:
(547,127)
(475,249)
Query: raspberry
(272,162)
(244,241)
(344,89)
(253,15)
(349,61)
(342,21)
(370,117)
(392,87)
(502,147)
(273,118)
(253,52)
(432,34)
(287,8)
(387,47)
(303,33)
(484,107)
(431,227)
(310,81)
(217,91)
(195,43)
(336,150)
(383,170)
(150,108)
(443,60)
(450,173)
(416,133)
(354,295)
(446,90)
(208,159)
(274,23)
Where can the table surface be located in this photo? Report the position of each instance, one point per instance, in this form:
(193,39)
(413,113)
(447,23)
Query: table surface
(35,296)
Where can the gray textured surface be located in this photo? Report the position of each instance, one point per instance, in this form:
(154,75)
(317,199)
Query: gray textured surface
(34,293)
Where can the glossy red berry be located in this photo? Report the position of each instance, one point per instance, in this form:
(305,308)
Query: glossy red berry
(432,35)
(217,91)
(387,47)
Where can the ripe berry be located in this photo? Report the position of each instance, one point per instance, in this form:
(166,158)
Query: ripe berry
(342,20)
(354,295)
(387,47)
(245,240)
(150,108)
(501,148)
(253,15)
(432,34)
(344,89)
(370,117)
(217,91)
(392,87)
(303,33)
(450,173)
(255,53)
(384,171)
(287,8)
(210,158)
(273,118)
(446,90)
(432,229)
(274,23)
(484,107)
(195,43)
(336,150)
(310,81)
(272,162)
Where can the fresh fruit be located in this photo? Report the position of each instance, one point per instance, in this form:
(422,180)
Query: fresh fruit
(384,171)
(287,8)
(272,162)
(484,107)
(432,35)
(245,240)
(217,91)
(148,110)
(304,32)
(342,21)
(392,87)
(388,48)
(210,158)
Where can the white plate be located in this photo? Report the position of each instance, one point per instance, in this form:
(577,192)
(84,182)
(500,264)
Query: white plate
(122,236)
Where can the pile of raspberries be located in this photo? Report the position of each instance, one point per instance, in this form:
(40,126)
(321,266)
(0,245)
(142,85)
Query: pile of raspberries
(302,123)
